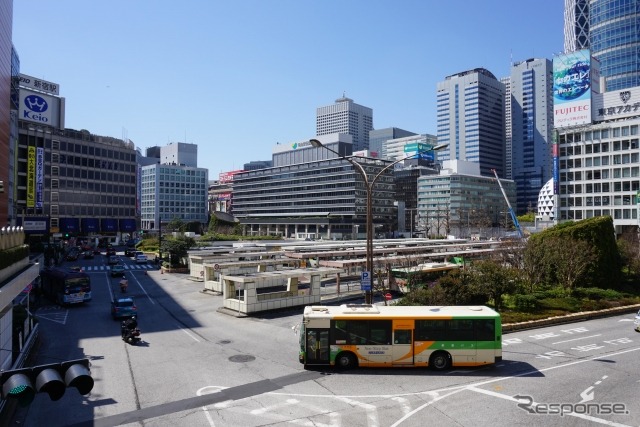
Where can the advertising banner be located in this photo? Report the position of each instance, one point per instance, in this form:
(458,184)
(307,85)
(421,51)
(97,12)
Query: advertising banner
(34,225)
(127,225)
(572,89)
(69,225)
(108,225)
(39,177)
(90,225)
(31,177)
(225,177)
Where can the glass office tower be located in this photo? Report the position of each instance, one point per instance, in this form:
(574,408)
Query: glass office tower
(613,37)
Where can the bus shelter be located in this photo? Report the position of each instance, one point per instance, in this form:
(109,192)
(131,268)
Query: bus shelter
(212,272)
(271,290)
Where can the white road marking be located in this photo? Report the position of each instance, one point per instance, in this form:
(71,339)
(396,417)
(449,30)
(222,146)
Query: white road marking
(576,339)
(188,333)
(534,404)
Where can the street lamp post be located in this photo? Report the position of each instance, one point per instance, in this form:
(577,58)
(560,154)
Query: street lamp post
(368,295)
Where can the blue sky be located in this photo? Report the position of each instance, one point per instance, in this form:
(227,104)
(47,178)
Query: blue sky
(236,77)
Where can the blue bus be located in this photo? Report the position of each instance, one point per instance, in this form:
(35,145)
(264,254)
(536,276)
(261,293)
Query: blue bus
(65,286)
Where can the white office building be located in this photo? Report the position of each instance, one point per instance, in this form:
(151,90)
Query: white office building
(599,165)
(345,116)
(177,189)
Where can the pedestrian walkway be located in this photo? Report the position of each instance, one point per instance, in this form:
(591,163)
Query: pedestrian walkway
(126,267)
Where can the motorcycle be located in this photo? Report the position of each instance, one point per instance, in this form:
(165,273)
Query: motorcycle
(124,284)
(130,335)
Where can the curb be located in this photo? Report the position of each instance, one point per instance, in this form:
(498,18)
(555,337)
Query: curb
(569,318)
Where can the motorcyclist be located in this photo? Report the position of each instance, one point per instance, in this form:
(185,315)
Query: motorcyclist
(124,283)
(128,326)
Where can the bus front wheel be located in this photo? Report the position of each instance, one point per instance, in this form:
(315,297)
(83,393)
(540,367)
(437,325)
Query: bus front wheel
(346,361)
(440,360)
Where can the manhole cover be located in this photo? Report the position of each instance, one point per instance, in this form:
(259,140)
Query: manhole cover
(241,358)
(224,342)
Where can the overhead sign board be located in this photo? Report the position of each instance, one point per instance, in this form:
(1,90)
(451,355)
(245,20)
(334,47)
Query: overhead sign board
(39,84)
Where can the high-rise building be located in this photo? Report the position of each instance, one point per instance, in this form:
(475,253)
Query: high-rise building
(470,117)
(576,25)
(508,143)
(378,137)
(6,22)
(179,153)
(345,116)
(531,130)
(174,188)
(609,28)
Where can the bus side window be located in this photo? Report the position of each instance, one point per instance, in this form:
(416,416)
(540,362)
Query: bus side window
(339,332)
(402,337)
(485,329)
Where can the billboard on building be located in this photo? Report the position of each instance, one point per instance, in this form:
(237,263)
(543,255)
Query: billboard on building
(34,225)
(31,176)
(108,225)
(572,89)
(36,107)
(419,150)
(90,225)
(39,84)
(39,177)
(225,177)
(616,104)
(127,225)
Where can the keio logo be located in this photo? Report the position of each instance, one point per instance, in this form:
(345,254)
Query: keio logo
(37,105)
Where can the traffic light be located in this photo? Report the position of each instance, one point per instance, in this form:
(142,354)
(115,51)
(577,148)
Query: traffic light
(52,379)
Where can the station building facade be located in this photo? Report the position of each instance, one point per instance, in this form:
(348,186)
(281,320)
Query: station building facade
(313,193)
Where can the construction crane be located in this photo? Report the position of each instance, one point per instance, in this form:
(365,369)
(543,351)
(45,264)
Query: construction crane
(511,212)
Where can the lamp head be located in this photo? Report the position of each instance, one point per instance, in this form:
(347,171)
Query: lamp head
(315,143)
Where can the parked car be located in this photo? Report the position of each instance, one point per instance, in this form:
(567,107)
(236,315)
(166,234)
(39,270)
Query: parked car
(117,270)
(88,254)
(123,307)
(130,252)
(113,260)
(141,259)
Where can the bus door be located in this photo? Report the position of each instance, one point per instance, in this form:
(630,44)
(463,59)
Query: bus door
(403,342)
(317,346)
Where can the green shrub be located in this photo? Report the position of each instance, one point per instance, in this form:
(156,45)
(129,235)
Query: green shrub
(565,304)
(526,303)
(10,256)
(596,294)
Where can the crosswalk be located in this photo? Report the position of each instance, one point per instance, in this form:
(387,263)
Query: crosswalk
(126,267)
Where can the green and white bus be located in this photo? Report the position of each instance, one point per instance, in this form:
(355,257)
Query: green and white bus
(366,335)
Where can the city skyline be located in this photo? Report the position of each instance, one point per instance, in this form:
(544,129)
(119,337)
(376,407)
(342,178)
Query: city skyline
(236,79)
